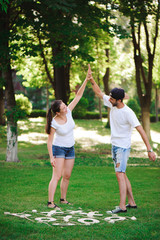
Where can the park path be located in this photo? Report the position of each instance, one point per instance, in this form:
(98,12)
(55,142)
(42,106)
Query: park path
(89,138)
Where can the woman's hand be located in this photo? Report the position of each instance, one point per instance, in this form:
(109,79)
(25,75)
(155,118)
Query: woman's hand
(89,73)
(79,94)
(53,162)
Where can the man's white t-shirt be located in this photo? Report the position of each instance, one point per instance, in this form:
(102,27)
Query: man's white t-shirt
(122,122)
(64,136)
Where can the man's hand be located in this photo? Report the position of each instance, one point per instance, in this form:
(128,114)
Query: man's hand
(89,73)
(152,156)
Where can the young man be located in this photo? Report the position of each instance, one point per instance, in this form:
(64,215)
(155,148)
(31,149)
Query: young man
(122,121)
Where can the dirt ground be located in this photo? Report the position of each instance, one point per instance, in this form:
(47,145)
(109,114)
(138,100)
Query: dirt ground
(90,138)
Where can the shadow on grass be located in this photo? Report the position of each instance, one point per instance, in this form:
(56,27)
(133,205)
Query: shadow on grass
(36,154)
(93,125)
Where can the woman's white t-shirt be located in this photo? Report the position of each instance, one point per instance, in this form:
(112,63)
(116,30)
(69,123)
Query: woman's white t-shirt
(122,122)
(64,136)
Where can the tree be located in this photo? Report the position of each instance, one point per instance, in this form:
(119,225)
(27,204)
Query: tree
(2,117)
(8,30)
(4,6)
(34,78)
(9,91)
(62,29)
(156,78)
(144,41)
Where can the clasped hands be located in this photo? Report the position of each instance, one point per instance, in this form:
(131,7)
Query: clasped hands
(89,74)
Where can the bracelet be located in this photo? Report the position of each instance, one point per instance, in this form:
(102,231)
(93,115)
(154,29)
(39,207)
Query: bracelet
(151,150)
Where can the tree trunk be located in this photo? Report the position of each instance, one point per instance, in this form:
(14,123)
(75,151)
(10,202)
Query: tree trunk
(47,100)
(9,90)
(2,117)
(12,149)
(106,81)
(61,82)
(11,118)
(99,100)
(100,108)
(143,79)
(156,104)
(106,76)
(143,76)
(146,121)
(145,100)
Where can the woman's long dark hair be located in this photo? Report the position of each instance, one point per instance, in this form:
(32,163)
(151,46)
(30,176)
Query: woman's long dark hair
(55,107)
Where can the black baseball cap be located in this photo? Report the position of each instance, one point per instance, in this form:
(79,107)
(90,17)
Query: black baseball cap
(117,93)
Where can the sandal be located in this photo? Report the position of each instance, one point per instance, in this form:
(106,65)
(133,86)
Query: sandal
(52,205)
(130,206)
(63,201)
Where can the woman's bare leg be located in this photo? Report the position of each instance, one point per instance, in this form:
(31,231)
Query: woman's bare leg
(67,170)
(57,173)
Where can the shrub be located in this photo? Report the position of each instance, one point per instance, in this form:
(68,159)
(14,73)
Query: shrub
(152,107)
(133,104)
(24,106)
(95,115)
(88,115)
(90,96)
(80,109)
(38,113)
(153,117)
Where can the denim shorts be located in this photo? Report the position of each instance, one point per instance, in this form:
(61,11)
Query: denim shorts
(120,155)
(63,152)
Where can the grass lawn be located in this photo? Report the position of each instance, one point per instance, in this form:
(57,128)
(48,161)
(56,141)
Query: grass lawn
(93,187)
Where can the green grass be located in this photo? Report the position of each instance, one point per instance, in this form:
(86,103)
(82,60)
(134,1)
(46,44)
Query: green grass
(96,125)
(155,126)
(93,187)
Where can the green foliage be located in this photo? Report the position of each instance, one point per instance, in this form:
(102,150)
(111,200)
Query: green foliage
(90,96)
(152,107)
(68,29)
(133,104)
(95,115)
(21,110)
(14,114)
(2,82)
(4,5)
(33,71)
(156,68)
(80,109)
(153,117)
(37,96)
(23,104)
(37,113)
(88,115)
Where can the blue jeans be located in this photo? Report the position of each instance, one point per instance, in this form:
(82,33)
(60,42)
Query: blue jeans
(63,152)
(120,157)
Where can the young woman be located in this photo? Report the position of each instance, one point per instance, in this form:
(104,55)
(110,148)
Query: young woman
(61,144)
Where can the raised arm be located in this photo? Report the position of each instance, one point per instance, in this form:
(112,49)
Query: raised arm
(151,154)
(79,94)
(95,87)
